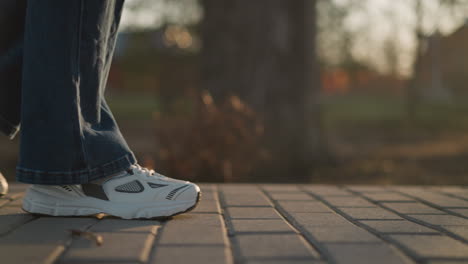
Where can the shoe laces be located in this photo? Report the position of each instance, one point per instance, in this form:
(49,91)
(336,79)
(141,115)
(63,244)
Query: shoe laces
(147,172)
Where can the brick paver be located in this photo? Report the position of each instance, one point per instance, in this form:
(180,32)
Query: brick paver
(40,241)
(387,197)
(441,220)
(397,226)
(260,226)
(252,213)
(266,223)
(304,206)
(435,246)
(463,212)
(348,201)
(117,247)
(431,197)
(461,231)
(412,208)
(271,246)
(12,217)
(370,213)
(366,253)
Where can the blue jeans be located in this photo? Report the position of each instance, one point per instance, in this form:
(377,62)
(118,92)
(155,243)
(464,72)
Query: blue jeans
(55,57)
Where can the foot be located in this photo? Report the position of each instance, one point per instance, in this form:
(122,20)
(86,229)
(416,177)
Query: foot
(136,193)
(3,185)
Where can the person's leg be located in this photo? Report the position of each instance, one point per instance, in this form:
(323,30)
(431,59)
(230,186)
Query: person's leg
(71,148)
(12,13)
(68,133)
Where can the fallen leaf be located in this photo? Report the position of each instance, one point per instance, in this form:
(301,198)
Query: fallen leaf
(100,216)
(88,235)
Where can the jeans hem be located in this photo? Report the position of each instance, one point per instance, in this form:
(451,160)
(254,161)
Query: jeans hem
(7,128)
(75,177)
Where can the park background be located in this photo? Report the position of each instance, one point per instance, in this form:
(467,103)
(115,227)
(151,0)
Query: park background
(320,91)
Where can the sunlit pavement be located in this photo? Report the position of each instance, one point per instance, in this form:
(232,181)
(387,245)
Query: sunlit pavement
(243,223)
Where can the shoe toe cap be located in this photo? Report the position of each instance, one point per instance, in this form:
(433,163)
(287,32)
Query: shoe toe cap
(190,193)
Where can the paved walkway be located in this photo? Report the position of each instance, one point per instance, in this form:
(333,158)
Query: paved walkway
(291,224)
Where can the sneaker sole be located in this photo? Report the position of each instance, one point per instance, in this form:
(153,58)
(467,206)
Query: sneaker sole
(31,205)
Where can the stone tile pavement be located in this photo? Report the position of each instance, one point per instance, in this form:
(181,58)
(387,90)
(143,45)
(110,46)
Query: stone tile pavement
(266,223)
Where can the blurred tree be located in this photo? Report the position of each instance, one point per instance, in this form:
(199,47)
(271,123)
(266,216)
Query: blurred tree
(151,14)
(336,39)
(412,93)
(265,52)
(424,32)
(391,45)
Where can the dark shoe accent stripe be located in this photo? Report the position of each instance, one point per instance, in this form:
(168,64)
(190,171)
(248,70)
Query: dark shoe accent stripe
(173,192)
(155,185)
(67,188)
(94,190)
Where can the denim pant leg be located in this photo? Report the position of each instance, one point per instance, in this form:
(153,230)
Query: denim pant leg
(12,13)
(68,133)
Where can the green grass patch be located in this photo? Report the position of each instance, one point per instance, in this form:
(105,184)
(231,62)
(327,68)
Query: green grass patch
(133,106)
(339,111)
(390,111)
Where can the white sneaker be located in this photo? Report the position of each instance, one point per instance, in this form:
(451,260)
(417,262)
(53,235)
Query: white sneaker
(138,193)
(3,185)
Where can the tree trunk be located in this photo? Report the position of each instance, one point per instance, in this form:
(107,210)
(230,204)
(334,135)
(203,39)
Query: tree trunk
(264,51)
(412,86)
